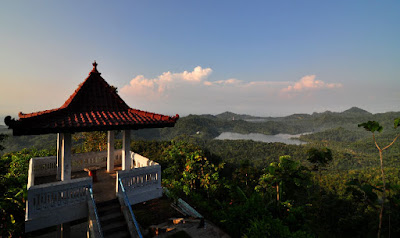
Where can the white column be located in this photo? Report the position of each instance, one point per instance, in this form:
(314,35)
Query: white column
(60,137)
(110,151)
(66,157)
(126,144)
(31,174)
(64,167)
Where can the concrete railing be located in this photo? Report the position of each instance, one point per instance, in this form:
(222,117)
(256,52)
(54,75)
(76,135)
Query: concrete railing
(126,208)
(139,161)
(94,226)
(55,203)
(45,166)
(143,182)
(31,174)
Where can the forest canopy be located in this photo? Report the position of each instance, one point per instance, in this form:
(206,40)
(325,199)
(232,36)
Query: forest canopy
(329,187)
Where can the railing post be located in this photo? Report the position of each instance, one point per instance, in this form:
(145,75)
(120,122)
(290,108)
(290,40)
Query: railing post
(117,184)
(126,144)
(29,206)
(159,176)
(110,151)
(60,137)
(66,157)
(31,174)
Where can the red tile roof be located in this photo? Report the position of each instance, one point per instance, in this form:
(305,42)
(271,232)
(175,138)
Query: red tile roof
(94,106)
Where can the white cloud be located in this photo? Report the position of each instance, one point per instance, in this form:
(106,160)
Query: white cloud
(308,82)
(198,74)
(142,86)
(193,92)
(224,82)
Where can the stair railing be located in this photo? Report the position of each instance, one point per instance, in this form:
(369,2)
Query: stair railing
(128,204)
(95,228)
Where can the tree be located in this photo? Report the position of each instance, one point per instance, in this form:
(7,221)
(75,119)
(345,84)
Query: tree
(188,169)
(319,159)
(374,126)
(2,139)
(13,181)
(288,177)
(92,141)
(246,176)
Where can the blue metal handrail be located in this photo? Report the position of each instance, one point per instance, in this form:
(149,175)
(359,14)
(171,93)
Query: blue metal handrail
(95,211)
(128,204)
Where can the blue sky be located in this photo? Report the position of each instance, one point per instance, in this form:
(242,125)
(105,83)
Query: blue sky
(264,58)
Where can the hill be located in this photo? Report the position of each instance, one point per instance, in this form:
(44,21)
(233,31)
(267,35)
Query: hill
(357,111)
(233,116)
(207,127)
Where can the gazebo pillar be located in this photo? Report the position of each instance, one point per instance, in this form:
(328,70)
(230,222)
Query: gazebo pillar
(66,157)
(64,230)
(59,155)
(126,144)
(110,151)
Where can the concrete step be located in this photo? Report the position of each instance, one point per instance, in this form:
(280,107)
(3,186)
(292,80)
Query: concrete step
(114,227)
(118,234)
(107,203)
(112,219)
(109,208)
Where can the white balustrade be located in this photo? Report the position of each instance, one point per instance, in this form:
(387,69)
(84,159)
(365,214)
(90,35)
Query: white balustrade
(55,203)
(45,166)
(139,161)
(143,182)
(140,177)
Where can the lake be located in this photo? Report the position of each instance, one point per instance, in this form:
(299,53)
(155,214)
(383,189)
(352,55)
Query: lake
(283,138)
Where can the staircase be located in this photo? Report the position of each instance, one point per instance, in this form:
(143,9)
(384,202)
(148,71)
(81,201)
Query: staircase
(112,219)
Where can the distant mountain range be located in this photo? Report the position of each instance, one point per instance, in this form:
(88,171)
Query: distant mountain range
(355,111)
(208,126)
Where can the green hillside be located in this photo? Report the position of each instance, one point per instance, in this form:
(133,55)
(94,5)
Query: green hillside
(324,126)
(249,188)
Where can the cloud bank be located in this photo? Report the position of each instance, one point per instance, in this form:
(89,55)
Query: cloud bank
(195,92)
(166,82)
(308,82)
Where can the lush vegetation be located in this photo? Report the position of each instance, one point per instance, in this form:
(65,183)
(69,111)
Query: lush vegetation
(290,197)
(330,187)
(13,182)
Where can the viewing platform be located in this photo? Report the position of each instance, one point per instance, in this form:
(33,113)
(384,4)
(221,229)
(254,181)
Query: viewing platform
(51,202)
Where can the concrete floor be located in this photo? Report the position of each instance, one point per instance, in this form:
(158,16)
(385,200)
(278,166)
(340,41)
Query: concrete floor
(103,189)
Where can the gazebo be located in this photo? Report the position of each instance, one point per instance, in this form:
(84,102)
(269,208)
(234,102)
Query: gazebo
(94,106)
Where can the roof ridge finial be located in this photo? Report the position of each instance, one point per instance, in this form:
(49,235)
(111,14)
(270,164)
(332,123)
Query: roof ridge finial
(94,70)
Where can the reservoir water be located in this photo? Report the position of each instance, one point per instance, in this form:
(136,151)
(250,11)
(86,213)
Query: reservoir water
(283,138)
